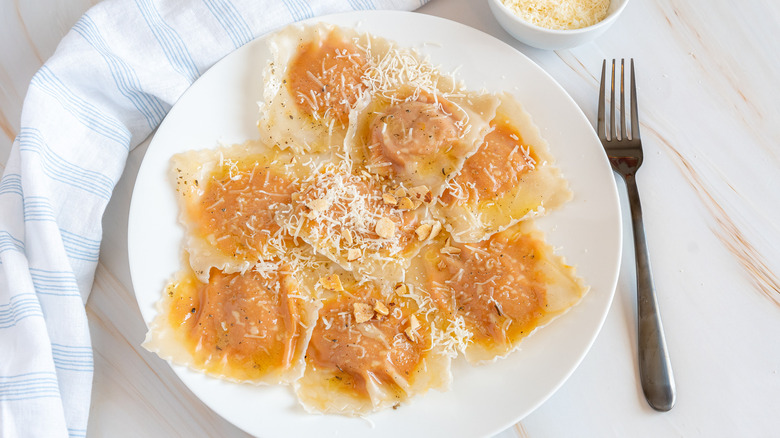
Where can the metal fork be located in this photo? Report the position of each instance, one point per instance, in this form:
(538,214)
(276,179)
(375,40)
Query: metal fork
(625,155)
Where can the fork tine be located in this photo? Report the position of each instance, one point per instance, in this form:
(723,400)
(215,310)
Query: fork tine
(634,112)
(602,129)
(622,101)
(612,130)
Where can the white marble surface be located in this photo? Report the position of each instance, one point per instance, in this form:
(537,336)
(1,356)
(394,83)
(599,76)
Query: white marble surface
(709,106)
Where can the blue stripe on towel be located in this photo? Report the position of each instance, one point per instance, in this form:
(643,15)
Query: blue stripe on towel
(362,4)
(10,243)
(88,114)
(11,183)
(59,169)
(38,208)
(305,7)
(230,20)
(80,247)
(124,76)
(300,10)
(72,357)
(58,283)
(23,383)
(19,307)
(170,41)
(73,347)
(32,374)
(29,386)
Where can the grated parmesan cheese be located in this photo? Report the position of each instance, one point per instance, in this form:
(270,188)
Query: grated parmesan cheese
(560,14)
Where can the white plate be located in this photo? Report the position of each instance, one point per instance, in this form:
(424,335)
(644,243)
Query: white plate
(220,108)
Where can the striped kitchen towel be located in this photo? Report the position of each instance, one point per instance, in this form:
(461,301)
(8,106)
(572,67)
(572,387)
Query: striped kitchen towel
(110,83)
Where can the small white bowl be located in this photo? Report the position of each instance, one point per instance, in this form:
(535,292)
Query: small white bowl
(543,38)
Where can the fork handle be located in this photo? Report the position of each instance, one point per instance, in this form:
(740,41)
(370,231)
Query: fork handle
(655,368)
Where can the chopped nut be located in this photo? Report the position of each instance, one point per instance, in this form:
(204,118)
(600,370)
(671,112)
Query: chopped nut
(317,204)
(416,203)
(332,282)
(435,229)
(405,204)
(363,312)
(389,199)
(385,228)
(450,250)
(353,254)
(295,196)
(423,231)
(346,235)
(400,192)
(422,193)
(414,324)
(380,308)
(401,289)
(411,331)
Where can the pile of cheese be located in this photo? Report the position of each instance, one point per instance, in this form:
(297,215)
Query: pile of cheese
(560,14)
(378,228)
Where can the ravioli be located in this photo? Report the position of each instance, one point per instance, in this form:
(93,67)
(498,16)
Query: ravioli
(371,349)
(356,222)
(245,327)
(376,230)
(418,137)
(228,198)
(311,86)
(510,177)
(492,294)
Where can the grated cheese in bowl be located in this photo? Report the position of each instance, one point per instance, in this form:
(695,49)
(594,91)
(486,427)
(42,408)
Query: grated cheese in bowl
(560,14)
(556,24)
